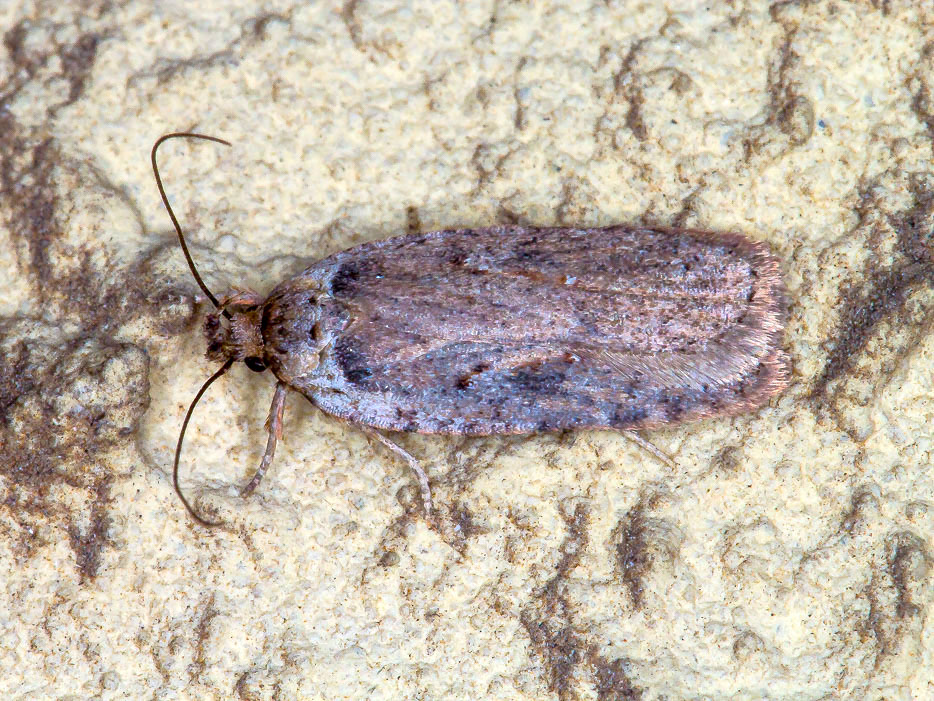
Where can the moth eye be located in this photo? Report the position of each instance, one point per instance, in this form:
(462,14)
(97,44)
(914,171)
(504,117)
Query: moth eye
(255,364)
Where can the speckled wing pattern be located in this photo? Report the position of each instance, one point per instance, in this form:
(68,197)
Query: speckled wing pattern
(517,330)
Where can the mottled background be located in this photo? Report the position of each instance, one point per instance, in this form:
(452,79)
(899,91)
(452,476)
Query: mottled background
(787,556)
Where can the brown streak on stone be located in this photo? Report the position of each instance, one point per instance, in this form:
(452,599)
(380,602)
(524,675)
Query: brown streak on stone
(202,634)
(54,434)
(624,84)
(77,63)
(555,639)
(881,294)
(908,566)
(612,678)
(891,593)
(348,14)
(862,502)
(789,111)
(413,224)
(89,545)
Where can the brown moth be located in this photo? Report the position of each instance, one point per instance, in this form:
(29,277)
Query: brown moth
(513,329)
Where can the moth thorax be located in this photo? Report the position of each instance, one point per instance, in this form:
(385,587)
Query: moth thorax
(239,338)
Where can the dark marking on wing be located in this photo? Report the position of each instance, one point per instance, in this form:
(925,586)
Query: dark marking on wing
(354,364)
(343,281)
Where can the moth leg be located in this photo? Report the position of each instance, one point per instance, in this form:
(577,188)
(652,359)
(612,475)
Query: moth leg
(650,447)
(274,427)
(410,459)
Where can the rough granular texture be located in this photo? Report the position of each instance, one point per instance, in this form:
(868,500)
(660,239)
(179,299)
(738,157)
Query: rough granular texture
(787,555)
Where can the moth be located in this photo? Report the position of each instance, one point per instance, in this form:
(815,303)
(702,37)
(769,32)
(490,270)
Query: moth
(511,330)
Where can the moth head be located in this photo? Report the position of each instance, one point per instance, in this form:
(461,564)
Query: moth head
(238,337)
(233,331)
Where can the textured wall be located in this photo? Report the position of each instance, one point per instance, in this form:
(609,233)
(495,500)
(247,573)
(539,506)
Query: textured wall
(787,556)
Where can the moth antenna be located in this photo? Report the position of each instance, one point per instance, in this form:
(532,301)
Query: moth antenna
(181,437)
(165,201)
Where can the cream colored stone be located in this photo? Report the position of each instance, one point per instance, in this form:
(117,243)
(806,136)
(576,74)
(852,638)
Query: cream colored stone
(787,556)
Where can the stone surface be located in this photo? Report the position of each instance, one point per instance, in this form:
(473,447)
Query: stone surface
(788,556)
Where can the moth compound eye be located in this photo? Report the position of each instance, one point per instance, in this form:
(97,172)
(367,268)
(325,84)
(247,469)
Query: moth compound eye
(255,364)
